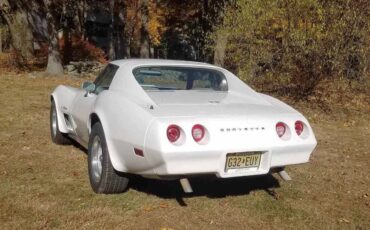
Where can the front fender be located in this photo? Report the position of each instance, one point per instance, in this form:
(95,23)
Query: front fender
(63,97)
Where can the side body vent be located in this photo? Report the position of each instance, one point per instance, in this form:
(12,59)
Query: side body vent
(68,121)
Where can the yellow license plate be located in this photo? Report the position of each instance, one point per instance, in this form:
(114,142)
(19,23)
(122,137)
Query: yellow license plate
(243,160)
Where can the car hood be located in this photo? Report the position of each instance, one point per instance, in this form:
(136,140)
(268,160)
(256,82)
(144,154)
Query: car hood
(206,103)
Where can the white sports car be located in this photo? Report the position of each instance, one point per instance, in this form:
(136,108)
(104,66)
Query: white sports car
(175,119)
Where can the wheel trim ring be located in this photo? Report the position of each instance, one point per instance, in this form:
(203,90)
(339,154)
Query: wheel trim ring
(96,159)
(54,122)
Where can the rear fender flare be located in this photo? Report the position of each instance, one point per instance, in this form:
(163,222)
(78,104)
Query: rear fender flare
(112,154)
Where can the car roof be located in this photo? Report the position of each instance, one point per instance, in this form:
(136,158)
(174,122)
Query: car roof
(132,63)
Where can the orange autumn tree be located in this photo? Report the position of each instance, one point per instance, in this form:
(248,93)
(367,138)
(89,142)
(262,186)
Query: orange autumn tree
(154,25)
(157,22)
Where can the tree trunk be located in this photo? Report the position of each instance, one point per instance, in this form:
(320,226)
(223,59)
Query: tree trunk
(20,29)
(80,18)
(1,41)
(125,32)
(220,48)
(111,51)
(67,45)
(144,35)
(120,28)
(66,34)
(54,65)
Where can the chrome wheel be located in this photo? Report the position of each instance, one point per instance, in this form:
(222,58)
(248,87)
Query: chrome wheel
(56,136)
(54,122)
(103,177)
(96,159)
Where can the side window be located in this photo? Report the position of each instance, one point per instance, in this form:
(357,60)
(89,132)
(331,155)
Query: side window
(104,79)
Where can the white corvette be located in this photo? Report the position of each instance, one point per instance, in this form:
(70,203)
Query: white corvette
(175,119)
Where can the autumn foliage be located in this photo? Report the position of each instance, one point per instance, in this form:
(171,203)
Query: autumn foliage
(283,47)
(83,50)
(289,47)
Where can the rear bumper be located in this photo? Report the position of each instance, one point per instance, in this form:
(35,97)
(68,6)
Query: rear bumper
(214,162)
(187,157)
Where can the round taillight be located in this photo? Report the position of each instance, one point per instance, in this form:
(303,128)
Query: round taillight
(280,129)
(197,132)
(299,127)
(173,133)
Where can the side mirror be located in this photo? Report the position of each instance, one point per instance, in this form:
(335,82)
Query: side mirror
(223,85)
(88,86)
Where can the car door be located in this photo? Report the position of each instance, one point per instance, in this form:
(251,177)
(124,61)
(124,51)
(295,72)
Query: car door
(84,102)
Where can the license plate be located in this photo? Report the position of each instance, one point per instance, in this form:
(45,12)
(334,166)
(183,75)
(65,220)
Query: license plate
(243,160)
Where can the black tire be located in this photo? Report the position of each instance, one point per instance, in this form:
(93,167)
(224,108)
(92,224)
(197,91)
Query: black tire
(56,136)
(107,180)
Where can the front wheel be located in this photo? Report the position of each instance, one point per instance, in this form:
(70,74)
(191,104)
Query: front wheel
(56,136)
(103,177)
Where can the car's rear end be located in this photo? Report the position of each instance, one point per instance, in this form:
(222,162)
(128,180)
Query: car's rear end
(228,145)
(207,121)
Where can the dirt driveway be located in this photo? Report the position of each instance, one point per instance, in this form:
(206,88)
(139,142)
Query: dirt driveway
(43,185)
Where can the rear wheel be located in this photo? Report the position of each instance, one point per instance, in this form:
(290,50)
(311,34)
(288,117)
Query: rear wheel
(103,177)
(56,136)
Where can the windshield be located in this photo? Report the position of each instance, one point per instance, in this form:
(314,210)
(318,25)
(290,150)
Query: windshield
(180,78)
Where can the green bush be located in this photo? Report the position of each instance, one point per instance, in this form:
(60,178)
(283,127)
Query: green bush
(296,44)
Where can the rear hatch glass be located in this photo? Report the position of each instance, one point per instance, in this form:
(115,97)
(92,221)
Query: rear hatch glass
(180,78)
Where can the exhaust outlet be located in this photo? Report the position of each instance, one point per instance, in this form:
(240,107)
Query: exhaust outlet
(284,175)
(185,184)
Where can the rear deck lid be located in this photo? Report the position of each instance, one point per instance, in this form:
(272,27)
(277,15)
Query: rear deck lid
(205,103)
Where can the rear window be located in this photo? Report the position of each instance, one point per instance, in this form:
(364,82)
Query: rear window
(180,78)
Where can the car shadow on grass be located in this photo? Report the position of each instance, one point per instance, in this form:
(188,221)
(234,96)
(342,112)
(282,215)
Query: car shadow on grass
(209,186)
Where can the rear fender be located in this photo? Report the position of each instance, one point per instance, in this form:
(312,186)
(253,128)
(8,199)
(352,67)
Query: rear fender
(125,124)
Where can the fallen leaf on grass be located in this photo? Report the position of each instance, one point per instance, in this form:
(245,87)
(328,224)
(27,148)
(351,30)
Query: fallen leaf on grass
(350,123)
(163,205)
(148,209)
(344,220)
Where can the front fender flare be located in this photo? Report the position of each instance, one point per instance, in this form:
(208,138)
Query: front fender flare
(61,122)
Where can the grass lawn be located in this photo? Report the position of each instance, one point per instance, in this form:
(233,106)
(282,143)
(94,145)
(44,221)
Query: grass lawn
(43,185)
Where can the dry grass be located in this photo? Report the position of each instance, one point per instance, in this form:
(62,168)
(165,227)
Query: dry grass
(43,185)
